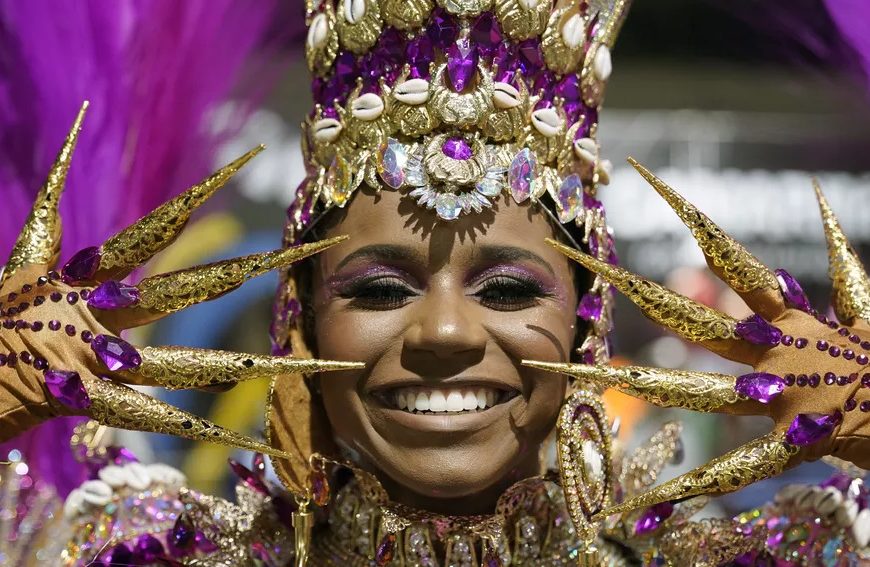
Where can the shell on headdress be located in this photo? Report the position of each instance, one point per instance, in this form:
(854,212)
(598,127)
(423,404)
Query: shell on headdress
(522,19)
(405,14)
(359,24)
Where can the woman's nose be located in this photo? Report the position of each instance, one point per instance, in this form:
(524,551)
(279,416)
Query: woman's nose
(446,325)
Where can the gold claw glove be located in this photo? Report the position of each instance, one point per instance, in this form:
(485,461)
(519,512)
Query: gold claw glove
(59,353)
(811,375)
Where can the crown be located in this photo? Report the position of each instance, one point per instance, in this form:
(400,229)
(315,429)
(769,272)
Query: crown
(456,101)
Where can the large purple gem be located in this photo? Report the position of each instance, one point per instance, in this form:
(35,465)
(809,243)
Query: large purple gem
(248,477)
(419,53)
(443,29)
(182,537)
(391,48)
(346,69)
(457,148)
(589,308)
(756,330)
(116,354)
(486,33)
(653,517)
(809,428)
(506,59)
(569,88)
(82,266)
(461,63)
(113,295)
(792,291)
(531,60)
(67,388)
(759,386)
(147,550)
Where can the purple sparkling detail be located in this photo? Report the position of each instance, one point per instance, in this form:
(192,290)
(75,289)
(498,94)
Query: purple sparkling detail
(529,56)
(204,544)
(865,406)
(814,380)
(830,378)
(38,300)
(84,294)
(248,476)
(443,29)
(822,345)
(462,61)
(760,386)
(457,148)
(850,404)
(118,555)
(67,388)
(862,359)
(854,339)
(801,380)
(40,363)
(842,380)
(789,379)
(82,266)
(801,342)
(25,357)
(757,331)
(21,324)
(832,324)
(834,351)
(87,336)
(56,296)
(848,354)
(506,59)
(116,354)
(544,82)
(808,428)
(787,340)
(41,280)
(148,549)
(569,88)
(54,325)
(653,517)
(486,33)
(419,53)
(589,308)
(70,330)
(522,175)
(113,295)
(390,50)
(72,298)
(843,332)
(386,549)
(26,288)
(792,291)
(865,345)
(12,296)
(182,537)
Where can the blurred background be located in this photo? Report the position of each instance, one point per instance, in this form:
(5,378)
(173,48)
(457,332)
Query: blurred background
(735,104)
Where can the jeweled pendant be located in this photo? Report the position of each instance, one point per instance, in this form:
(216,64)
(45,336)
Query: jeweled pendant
(759,386)
(67,388)
(569,198)
(447,206)
(462,60)
(392,160)
(339,178)
(522,175)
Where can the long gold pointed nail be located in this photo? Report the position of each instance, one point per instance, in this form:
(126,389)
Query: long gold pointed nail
(698,391)
(39,240)
(687,318)
(119,406)
(757,460)
(177,290)
(851,286)
(137,243)
(742,271)
(179,367)
(641,468)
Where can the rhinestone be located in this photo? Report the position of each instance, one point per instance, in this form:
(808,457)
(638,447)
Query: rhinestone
(522,175)
(447,206)
(392,159)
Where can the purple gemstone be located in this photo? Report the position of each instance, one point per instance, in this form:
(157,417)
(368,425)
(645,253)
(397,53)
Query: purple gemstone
(506,59)
(82,266)
(248,477)
(120,455)
(346,69)
(420,53)
(386,550)
(118,555)
(182,537)
(391,48)
(544,83)
(809,428)
(148,549)
(653,517)
(258,463)
(757,331)
(759,386)
(850,404)
(843,332)
(443,29)
(486,33)
(591,203)
(204,544)
(113,295)
(529,56)
(589,308)
(569,88)
(792,291)
(457,148)
(116,354)
(67,388)
(461,63)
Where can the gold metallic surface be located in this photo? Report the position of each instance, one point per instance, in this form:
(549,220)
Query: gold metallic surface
(851,286)
(742,271)
(518,22)
(39,240)
(357,37)
(137,243)
(321,56)
(182,367)
(405,14)
(641,469)
(710,542)
(559,56)
(613,13)
(177,290)
(687,318)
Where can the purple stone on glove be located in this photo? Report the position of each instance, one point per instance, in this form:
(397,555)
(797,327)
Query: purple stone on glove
(809,428)
(82,266)
(113,295)
(67,388)
(760,386)
(653,517)
(116,354)
(757,331)
(792,291)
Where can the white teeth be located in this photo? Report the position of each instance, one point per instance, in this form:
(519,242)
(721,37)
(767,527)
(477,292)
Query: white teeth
(481,398)
(445,401)
(437,401)
(454,401)
(422,403)
(469,400)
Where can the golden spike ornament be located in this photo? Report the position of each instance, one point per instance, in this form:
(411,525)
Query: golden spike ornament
(851,286)
(698,391)
(140,241)
(742,271)
(687,318)
(178,290)
(642,467)
(181,367)
(39,240)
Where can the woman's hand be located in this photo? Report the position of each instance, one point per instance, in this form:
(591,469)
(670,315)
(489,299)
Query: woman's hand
(60,351)
(811,375)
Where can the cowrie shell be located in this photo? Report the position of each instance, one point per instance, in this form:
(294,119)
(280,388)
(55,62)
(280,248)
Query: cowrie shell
(861,528)
(318,31)
(846,513)
(529,4)
(96,492)
(327,129)
(602,66)
(367,107)
(354,10)
(113,476)
(166,475)
(787,494)
(413,91)
(585,149)
(828,500)
(74,504)
(573,32)
(505,96)
(547,121)
(804,499)
(138,477)
(605,169)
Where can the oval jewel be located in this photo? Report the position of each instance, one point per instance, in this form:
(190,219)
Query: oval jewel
(522,175)
(447,206)
(392,158)
(569,198)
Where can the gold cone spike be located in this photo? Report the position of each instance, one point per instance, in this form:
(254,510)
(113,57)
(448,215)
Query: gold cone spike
(137,243)
(177,290)
(690,320)
(851,286)
(180,367)
(123,407)
(757,460)
(742,271)
(641,468)
(698,391)
(39,240)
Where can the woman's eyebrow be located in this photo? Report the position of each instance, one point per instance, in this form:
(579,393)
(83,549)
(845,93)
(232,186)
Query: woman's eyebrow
(496,254)
(384,252)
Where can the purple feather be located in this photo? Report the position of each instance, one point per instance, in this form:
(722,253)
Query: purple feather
(156,72)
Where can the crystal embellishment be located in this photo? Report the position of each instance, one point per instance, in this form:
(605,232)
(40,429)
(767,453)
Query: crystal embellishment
(82,266)
(760,386)
(392,159)
(756,330)
(113,295)
(447,206)
(457,148)
(809,428)
(522,175)
(462,61)
(115,353)
(792,291)
(653,517)
(67,388)
(569,197)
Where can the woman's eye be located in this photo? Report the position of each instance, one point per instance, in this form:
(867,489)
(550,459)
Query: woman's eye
(509,294)
(380,293)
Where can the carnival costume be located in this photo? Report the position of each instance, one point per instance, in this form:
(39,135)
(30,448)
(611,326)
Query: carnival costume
(453,103)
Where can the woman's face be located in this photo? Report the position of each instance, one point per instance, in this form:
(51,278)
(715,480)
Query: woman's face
(442,313)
